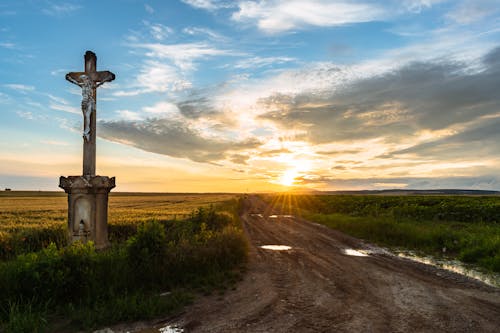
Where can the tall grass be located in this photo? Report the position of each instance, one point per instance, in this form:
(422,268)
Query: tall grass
(175,258)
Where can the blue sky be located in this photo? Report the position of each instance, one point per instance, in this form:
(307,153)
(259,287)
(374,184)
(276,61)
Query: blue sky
(255,95)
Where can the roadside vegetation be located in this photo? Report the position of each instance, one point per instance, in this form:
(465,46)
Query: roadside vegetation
(159,260)
(462,227)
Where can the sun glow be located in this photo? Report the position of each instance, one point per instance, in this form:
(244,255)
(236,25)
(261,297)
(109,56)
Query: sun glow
(288,177)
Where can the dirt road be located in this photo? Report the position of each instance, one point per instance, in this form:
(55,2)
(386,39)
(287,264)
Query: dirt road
(329,282)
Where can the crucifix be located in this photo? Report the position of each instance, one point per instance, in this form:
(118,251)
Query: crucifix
(89,80)
(88,193)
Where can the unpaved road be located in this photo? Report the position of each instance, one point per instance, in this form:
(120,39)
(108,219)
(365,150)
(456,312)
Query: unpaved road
(316,287)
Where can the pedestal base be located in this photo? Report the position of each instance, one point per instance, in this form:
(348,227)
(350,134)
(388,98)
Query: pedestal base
(88,208)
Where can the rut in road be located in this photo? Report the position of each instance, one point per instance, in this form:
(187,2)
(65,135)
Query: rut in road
(316,287)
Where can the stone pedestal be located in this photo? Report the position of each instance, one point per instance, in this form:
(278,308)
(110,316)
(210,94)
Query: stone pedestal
(88,207)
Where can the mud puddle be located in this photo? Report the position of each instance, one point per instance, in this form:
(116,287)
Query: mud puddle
(162,329)
(455,266)
(276,247)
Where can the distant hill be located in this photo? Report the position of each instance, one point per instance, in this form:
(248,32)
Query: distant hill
(417,192)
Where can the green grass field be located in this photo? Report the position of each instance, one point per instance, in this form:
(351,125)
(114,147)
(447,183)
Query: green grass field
(176,245)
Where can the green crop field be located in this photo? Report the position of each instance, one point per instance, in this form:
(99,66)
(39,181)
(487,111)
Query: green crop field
(176,245)
(458,227)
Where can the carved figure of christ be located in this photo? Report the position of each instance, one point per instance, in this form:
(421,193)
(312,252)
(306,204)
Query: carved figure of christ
(89,80)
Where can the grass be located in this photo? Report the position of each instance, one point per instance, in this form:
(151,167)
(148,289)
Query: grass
(66,288)
(462,227)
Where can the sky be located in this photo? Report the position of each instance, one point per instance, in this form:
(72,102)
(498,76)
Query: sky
(249,96)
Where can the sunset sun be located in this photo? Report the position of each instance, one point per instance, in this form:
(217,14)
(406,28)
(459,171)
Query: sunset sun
(288,177)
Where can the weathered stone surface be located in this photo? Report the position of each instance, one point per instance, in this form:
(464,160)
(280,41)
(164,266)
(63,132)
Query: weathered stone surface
(88,207)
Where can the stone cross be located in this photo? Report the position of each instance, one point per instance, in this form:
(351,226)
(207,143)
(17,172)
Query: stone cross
(89,80)
(88,193)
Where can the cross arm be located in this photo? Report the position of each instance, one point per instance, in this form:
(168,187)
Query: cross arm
(74,77)
(97,77)
(102,77)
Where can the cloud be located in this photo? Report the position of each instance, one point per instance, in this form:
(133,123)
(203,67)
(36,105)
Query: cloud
(54,143)
(204,31)
(203,4)
(393,105)
(173,138)
(129,115)
(416,6)
(60,104)
(8,45)
(158,31)
(149,9)
(485,182)
(64,108)
(167,67)
(156,76)
(258,62)
(182,55)
(279,16)
(471,11)
(60,9)
(23,88)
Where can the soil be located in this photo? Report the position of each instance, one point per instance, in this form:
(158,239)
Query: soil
(318,286)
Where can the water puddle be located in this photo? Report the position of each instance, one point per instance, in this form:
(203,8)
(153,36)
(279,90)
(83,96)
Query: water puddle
(170,329)
(455,266)
(163,329)
(355,253)
(276,247)
(281,216)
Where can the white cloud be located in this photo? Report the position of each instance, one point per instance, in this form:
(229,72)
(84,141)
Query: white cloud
(129,115)
(7,45)
(26,115)
(149,9)
(162,109)
(57,99)
(4,98)
(55,9)
(416,6)
(279,16)
(19,87)
(473,11)
(156,76)
(158,31)
(54,143)
(257,62)
(204,31)
(60,104)
(202,4)
(64,108)
(182,55)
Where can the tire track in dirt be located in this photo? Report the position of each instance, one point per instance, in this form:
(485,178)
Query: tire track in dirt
(315,287)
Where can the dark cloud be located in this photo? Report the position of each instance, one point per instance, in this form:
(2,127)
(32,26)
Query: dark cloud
(196,108)
(172,138)
(239,158)
(475,142)
(418,96)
